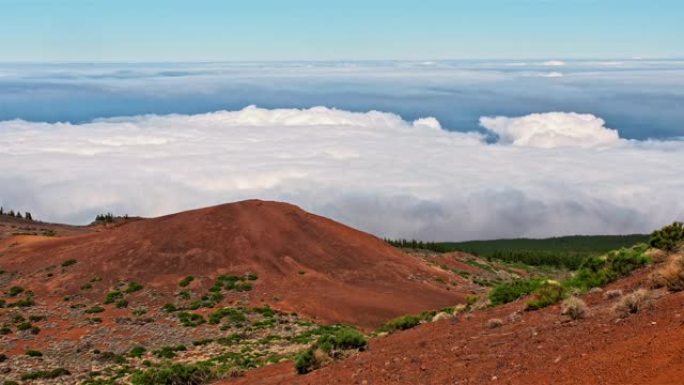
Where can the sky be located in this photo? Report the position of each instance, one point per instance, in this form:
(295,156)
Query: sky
(265,30)
(433,120)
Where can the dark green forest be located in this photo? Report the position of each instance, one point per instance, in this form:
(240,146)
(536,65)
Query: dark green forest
(568,251)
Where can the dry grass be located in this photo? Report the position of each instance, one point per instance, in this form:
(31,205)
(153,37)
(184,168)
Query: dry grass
(634,302)
(494,323)
(575,308)
(671,275)
(612,294)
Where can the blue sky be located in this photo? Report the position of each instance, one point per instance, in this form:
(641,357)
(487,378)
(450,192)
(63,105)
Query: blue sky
(212,30)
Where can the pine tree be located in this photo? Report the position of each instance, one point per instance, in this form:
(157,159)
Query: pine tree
(2,211)
(28,216)
(18,214)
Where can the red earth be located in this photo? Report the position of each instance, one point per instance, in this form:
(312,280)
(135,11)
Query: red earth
(308,264)
(539,347)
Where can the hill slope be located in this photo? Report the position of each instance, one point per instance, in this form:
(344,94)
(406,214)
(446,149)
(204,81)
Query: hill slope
(304,262)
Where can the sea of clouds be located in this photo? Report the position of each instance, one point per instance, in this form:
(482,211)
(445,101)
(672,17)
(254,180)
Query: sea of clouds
(531,175)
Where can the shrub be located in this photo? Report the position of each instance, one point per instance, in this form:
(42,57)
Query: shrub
(549,293)
(186,281)
(133,287)
(69,262)
(137,351)
(34,353)
(169,351)
(95,309)
(45,374)
(15,291)
(401,323)
(24,326)
(668,238)
(306,362)
(671,275)
(235,316)
(494,323)
(190,319)
(113,296)
(10,382)
(169,308)
(122,303)
(329,346)
(634,302)
(612,294)
(511,291)
(175,374)
(574,307)
(599,271)
(5,330)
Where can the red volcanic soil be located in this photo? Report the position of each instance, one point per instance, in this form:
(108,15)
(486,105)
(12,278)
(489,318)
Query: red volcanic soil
(540,347)
(305,263)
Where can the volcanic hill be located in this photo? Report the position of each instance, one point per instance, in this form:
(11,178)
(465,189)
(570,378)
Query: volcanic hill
(304,263)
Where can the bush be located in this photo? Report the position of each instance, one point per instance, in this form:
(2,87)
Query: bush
(133,287)
(169,308)
(95,309)
(575,308)
(306,362)
(548,294)
(329,346)
(668,238)
(190,319)
(401,323)
(175,374)
(122,303)
(45,374)
(494,323)
(599,271)
(69,262)
(15,291)
(511,291)
(671,275)
(169,351)
(634,302)
(34,353)
(137,351)
(113,296)
(612,294)
(186,281)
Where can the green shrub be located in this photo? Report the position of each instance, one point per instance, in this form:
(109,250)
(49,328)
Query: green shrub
(45,374)
(137,351)
(15,291)
(34,353)
(235,316)
(95,309)
(338,339)
(401,323)
(169,308)
(190,319)
(547,294)
(24,326)
(175,374)
(252,277)
(668,238)
(186,281)
(511,291)
(599,271)
(10,382)
(87,286)
(122,303)
(5,330)
(113,296)
(169,351)
(306,362)
(69,262)
(133,287)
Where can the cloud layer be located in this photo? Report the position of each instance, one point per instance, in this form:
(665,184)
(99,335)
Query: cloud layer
(549,174)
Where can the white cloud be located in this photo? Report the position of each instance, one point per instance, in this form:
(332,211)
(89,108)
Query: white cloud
(553,75)
(553,129)
(371,170)
(554,63)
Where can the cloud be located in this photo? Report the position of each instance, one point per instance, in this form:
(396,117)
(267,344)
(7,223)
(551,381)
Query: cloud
(549,174)
(553,129)
(554,63)
(552,75)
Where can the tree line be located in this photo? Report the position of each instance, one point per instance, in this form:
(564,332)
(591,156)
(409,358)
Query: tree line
(11,213)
